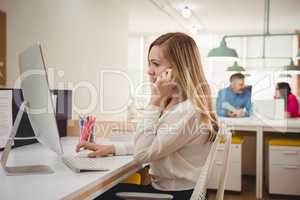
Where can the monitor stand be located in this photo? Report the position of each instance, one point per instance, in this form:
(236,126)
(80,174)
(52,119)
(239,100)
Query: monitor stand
(26,169)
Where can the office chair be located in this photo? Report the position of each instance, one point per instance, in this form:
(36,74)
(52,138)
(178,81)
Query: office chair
(201,185)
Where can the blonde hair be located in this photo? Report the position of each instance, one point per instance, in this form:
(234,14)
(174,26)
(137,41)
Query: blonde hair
(183,55)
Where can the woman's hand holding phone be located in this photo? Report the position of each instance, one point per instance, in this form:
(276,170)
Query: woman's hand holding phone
(162,88)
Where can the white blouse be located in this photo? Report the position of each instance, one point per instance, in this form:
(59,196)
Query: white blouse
(174,145)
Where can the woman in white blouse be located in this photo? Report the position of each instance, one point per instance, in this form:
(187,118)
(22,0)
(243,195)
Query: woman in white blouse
(178,126)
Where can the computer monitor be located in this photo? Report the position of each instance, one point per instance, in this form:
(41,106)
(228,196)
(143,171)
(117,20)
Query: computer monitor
(36,92)
(269,109)
(39,107)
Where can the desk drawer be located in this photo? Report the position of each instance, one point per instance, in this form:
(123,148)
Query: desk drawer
(284,155)
(236,153)
(284,179)
(234,178)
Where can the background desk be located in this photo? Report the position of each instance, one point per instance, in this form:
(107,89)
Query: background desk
(64,183)
(260,126)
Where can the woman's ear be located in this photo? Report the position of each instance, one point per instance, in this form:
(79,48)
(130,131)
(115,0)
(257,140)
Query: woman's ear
(175,80)
(174,74)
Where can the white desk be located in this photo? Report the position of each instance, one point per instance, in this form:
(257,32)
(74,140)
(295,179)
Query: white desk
(64,183)
(260,125)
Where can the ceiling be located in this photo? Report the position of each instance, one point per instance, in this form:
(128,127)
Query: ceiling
(213,16)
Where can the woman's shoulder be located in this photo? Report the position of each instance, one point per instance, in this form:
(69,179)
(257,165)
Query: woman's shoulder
(183,109)
(187,106)
(292,97)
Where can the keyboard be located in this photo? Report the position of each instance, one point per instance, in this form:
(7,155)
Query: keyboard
(83,164)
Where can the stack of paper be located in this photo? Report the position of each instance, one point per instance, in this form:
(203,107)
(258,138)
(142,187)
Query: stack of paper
(5,115)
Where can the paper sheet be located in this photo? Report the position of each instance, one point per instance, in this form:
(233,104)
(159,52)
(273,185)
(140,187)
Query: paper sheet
(54,101)
(5,115)
(229,107)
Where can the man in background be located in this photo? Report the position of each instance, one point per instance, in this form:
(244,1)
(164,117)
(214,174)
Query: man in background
(235,100)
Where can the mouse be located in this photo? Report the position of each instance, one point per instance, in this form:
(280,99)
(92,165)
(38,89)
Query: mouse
(83,153)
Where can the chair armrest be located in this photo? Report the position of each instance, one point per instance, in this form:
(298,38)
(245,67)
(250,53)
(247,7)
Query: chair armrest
(143,196)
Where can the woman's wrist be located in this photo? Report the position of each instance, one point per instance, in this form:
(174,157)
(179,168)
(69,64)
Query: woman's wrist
(111,149)
(156,101)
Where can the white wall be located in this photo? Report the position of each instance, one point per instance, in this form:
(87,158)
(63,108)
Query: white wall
(80,38)
(138,46)
(136,66)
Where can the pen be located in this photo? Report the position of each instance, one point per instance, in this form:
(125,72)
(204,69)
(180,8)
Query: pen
(87,126)
(81,123)
(83,136)
(91,137)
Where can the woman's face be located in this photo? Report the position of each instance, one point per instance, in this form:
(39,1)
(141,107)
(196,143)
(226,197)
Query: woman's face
(157,63)
(277,93)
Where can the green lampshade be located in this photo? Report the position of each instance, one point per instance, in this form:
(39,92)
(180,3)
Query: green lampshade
(223,51)
(285,75)
(235,68)
(292,66)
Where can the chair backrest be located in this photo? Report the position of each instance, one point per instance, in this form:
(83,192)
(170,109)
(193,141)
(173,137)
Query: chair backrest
(201,186)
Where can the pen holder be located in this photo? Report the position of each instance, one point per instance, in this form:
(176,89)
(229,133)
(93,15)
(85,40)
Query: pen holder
(91,137)
(87,133)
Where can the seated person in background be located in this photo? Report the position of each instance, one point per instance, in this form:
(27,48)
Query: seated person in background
(235,100)
(283,91)
(177,128)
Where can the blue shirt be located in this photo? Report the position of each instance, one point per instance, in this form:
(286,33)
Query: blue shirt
(242,100)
